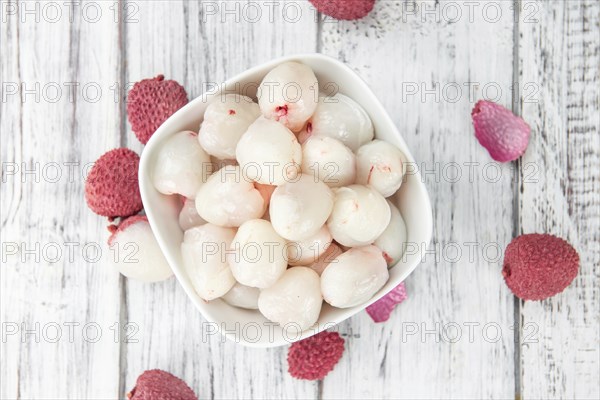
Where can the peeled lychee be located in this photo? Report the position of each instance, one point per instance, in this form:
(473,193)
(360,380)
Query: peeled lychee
(203,251)
(299,209)
(288,94)
(360,215)
(344,9)
(135,252)
(228,199)
(306,252)
(538,266)
(326,258)
(502,133)
(188,216)
(341,118)
(226,119)
(269,153)
(380,165)
(314,357)
(354,277)
(294,301)
(392,242)
(182,166)
(151,102)
(111,187)
(258,255)
(160,385)
(329,160)
(242,296)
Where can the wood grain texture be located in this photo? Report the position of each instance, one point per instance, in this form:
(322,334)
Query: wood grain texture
(560,54)
(53,283)
(452,288)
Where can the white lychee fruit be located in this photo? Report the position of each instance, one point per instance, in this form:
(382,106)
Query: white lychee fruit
(392,241)
(288,94)
(306,252)
(182,166)
(188,216)
(258,255)
(226,119)
(329,160)
(300,209)
(204,258)
(341,118)
(242,296)
(135,252)
(228,199)
(360,215)
(294,301)
(269,153)
(354,277)
(381,165)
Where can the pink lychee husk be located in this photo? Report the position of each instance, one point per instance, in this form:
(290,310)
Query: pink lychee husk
(381,310)
(314,357)
(537,266)
(160,385)
(344,9)
(151,102)
(111,187)
(502,133)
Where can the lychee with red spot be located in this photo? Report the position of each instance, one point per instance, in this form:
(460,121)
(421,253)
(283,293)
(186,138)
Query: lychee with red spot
(314,357)
(538,266)
(160,385)
(111,187)
(344,9)
(151,102)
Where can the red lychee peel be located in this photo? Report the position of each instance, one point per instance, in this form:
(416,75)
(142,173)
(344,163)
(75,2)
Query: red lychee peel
(160,385)
(111,187)
(151,102)
(504,135)
(538,266)
(381,310)
(314,357)
(344,9)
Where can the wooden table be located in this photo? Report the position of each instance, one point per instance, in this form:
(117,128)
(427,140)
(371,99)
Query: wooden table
(73,328)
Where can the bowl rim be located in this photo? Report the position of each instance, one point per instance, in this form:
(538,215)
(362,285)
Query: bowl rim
(165,129)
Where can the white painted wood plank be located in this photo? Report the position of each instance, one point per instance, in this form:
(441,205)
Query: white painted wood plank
(560,53)
(195,43)
(59,286)
(397,53)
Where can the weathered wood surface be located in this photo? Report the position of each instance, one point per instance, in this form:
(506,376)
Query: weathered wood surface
(428,65)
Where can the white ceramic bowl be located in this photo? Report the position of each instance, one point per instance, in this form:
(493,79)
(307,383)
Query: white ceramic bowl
(250,327)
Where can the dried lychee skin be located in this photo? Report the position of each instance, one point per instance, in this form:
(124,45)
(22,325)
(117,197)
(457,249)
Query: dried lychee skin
(314,357)
(111,187)
(502,133)
(381,310)
(538,266)
(151,102)
(160,385)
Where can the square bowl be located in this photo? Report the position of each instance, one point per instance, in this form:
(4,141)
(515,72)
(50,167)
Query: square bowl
(249,327)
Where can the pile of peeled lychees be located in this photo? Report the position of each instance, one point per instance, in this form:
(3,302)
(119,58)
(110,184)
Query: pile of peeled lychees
(285,199)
